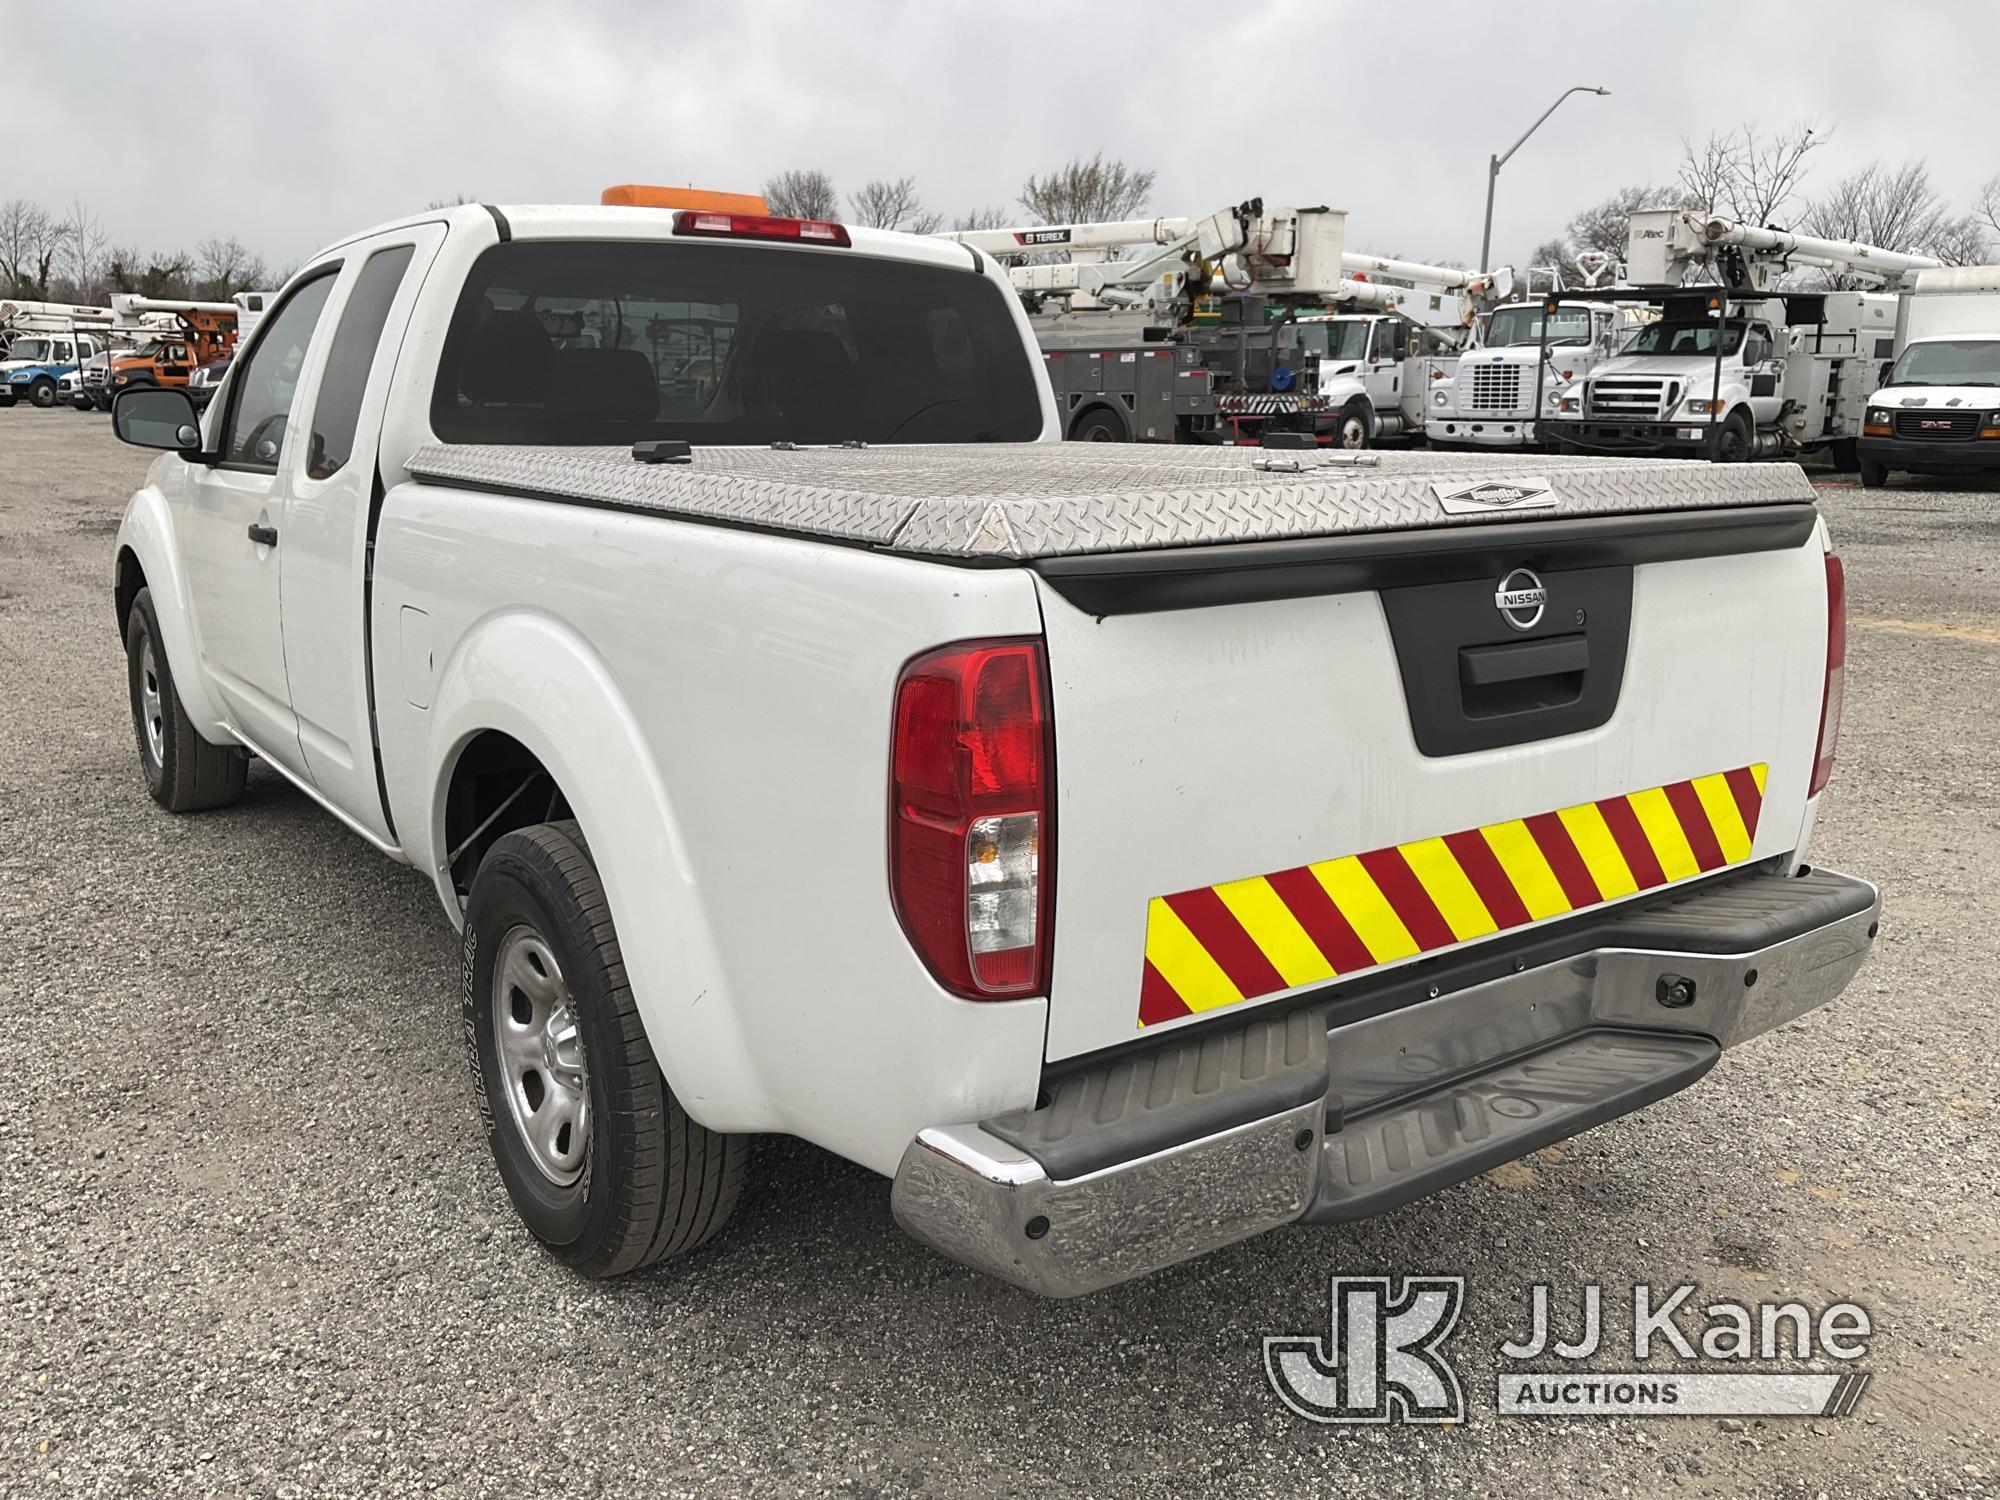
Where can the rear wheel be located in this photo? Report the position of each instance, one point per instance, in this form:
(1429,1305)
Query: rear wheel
(1846,455)
(1100,427)
(1873,475)
(183,771)
(603,1165)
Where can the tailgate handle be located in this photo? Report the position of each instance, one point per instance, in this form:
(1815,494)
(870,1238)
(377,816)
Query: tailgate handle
(1484,666)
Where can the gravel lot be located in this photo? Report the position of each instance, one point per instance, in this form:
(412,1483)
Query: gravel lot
(254,1245)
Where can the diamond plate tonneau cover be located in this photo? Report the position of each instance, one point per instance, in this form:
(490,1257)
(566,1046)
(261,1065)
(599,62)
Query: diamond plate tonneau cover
(1031,500)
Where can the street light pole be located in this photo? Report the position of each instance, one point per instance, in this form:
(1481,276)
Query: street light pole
(1495,163)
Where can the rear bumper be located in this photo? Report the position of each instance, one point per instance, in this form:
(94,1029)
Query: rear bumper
(1976,456)
(1430,1077)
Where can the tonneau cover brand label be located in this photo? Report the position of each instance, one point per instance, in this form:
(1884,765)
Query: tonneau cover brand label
(1461,499)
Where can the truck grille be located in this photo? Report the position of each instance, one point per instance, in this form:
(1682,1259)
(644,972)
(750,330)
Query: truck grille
(1494,388)
(1937,426)
(1642,396)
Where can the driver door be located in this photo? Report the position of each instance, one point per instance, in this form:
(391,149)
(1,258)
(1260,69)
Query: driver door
(1383,374)
(235,523)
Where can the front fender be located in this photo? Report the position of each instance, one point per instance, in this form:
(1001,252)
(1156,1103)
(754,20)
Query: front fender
(531,677)
(147,532)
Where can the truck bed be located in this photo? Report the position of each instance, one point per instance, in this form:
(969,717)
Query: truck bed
(1026,501)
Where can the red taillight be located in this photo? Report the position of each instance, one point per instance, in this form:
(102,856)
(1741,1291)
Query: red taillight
(970,862)
(1836,673)
(759,227)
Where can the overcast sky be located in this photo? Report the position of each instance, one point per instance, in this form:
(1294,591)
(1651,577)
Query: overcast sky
(288,125)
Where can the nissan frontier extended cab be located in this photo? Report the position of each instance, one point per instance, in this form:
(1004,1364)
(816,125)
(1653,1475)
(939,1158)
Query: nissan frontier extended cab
(1123,850)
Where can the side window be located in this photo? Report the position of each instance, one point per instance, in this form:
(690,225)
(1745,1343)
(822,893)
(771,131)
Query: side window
(1757,347)
(255,431)
(337,412)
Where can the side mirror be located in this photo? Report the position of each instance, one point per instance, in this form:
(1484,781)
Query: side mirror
(156,418)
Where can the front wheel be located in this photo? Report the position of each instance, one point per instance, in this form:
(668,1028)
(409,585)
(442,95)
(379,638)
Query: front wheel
(1873,475)
(183,771)
(1351,431)
(1734,442)
(603,1165)
(43,393)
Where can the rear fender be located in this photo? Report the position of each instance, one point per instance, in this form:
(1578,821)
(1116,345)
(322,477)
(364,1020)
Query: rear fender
(533,678)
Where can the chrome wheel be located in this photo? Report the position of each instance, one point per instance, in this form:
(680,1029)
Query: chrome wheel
(542,1066)
(149,703)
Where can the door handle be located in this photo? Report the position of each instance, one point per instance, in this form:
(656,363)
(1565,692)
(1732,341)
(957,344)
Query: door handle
(264,536)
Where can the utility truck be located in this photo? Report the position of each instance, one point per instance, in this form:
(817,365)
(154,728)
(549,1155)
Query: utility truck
(1122,853)
(1523,358)
(183,337)
(1736,367)
(1938,408)
(42,345)
(1236,327)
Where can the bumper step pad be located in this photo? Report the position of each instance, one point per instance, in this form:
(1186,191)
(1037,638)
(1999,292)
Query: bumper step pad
(1415,1146)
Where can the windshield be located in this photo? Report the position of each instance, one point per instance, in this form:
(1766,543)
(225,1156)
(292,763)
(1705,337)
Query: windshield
(33,350)
(1523,325)
(1686,336)
(1339,338)
(1949,362)
(609,343)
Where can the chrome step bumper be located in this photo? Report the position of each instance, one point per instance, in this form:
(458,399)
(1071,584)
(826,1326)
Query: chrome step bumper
(1215,1135)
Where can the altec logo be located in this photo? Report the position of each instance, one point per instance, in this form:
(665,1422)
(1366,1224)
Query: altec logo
(1245,939)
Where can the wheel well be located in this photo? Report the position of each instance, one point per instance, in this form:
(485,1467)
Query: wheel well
(497,785)
(1085,413)
(131,578)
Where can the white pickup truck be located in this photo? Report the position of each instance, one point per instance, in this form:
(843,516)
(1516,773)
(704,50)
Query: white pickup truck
(1125,850)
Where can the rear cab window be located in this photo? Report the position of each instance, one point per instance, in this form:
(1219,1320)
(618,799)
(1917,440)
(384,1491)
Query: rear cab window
(600,342)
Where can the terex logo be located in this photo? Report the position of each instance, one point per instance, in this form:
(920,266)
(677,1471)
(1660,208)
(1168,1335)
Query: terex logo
(1042,236)
(1462,499)
(1380,1362)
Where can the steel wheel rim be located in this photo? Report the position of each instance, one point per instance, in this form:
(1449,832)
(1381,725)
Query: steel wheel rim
(149,703)
(1352,433)
(540,1049)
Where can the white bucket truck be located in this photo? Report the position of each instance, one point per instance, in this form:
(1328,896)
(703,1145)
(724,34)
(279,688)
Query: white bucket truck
(1737,367)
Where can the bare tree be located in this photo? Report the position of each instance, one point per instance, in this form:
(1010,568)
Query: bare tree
(452,202)
(983,218)
(27,246)
(1082,192)
(1748,174)
(886,204)
(1987,206)
(81,241)
(1898,209)
(805,193)
(150,275)
(224,267)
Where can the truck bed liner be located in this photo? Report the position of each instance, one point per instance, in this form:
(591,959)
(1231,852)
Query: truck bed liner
(1002,502)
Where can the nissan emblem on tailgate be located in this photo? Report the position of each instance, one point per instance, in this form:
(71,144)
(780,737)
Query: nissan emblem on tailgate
(1521,599)
(1487,495)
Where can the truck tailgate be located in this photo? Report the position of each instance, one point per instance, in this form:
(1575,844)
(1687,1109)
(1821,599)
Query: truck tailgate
(1261,797)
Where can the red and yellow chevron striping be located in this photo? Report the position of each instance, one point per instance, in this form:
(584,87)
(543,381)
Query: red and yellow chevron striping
(1228,943)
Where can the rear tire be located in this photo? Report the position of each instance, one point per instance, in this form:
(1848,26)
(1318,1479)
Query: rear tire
(184,772)
(1846,455)
(1874,476)
(603,1165)
(1100,427)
